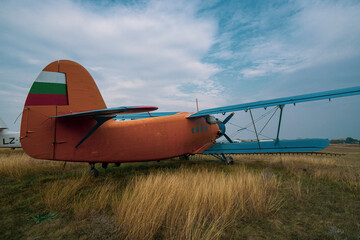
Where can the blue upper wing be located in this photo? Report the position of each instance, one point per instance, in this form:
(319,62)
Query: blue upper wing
(281,101)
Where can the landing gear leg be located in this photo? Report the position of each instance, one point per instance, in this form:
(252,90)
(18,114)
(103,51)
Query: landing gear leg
(93,171)
(64,166)
(225,159)
(104,165)
(229,160)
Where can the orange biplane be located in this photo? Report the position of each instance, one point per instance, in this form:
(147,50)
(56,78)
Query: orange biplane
(65,118)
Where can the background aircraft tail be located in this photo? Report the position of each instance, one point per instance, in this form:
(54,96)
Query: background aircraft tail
(62,87)
(2,125)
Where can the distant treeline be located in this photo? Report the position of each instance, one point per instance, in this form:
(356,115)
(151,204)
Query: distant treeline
(347,140)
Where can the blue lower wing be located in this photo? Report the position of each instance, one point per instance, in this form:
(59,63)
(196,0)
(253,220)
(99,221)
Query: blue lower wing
(299,145)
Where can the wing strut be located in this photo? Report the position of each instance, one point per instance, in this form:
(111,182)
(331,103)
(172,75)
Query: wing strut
(278,131)
(257,137)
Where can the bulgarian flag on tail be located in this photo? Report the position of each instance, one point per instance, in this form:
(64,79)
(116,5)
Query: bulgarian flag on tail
(49,88)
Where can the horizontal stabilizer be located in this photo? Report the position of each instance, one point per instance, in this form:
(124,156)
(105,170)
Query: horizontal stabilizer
(144,115)
(108,112)
(281,101)
(299,145)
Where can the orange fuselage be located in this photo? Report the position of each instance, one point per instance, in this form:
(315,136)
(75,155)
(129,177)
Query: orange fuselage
(120,141)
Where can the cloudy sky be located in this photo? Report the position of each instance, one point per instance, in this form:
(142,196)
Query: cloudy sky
(168,53)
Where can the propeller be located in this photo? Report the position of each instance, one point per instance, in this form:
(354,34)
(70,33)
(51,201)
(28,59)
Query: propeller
(222,127)
(228,118)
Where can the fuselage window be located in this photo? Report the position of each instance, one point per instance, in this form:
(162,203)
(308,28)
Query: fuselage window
(199,129)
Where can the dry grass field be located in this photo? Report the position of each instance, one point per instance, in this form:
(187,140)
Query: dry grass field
(259,197)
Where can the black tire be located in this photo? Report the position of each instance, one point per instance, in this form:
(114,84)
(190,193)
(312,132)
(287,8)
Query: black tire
(229,160)
(104,165)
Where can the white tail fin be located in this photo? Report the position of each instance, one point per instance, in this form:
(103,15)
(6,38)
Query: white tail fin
(8,139)
(2,125)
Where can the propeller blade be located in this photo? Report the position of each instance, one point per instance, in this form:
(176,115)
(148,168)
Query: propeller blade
(228,118)
(227,138)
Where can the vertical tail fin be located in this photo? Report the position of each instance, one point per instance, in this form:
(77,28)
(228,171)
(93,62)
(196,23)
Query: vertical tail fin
(62,87)
(64,83)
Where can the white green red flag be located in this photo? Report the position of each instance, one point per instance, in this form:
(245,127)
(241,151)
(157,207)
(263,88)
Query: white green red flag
(49,88)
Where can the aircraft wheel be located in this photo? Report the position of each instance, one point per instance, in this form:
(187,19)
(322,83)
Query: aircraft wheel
(104,165)
(229,160)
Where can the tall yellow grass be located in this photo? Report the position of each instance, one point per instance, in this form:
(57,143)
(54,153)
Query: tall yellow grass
(350,177)
(17,165)
(100,199)
(295,160)
(300,190)
(188,204)
(302,161)
(323,167)
(59,195)
(193,205)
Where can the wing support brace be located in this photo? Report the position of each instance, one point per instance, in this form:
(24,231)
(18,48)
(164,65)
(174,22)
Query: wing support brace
(278,131)
(100,121)
(257,137)
(220,156)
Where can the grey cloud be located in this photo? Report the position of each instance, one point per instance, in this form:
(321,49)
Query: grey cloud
(137,54)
